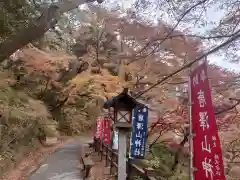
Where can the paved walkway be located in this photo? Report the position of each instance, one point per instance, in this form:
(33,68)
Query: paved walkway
(62,165)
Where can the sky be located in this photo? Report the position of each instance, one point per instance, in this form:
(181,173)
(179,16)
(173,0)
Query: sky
(212,15)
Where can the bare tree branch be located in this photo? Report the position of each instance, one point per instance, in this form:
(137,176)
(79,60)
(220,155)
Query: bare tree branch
(230,40)
(228,109)
(171,31)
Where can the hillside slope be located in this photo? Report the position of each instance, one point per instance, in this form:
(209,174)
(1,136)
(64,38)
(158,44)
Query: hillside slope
(23,121)
(31,97)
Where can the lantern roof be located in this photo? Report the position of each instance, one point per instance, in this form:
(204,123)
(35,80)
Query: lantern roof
(123,101)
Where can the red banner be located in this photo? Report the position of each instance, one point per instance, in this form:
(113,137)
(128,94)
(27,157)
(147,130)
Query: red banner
(98,132)
(207,155)
(106,130)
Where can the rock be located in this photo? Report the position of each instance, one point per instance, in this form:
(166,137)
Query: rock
(50,141)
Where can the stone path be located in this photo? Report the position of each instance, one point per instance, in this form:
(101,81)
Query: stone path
(62,165)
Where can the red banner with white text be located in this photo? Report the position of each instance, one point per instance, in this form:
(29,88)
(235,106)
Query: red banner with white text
(207,154)
(106,130)
(98,133)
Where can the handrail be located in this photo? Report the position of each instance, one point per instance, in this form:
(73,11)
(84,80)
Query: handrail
(111,157)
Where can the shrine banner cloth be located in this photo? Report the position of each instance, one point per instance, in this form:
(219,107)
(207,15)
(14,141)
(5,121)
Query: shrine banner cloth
(207,154)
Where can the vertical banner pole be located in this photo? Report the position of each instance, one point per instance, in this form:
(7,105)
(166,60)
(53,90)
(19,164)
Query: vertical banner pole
(190,127)
(101,139)
(122,163)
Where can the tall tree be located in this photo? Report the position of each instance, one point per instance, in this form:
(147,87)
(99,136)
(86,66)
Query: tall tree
(49,16)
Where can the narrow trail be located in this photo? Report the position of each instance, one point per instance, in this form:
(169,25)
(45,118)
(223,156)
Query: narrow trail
(61,165)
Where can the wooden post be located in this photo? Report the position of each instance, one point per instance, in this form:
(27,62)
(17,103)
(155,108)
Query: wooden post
(122,145)
(106,158)
(101,150)
(99,146)
(111,162)
(190,137)
(123,128)
(95,144)
(112,136)
(122,104)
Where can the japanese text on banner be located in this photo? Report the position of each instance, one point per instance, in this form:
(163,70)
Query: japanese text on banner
(208,158)
(99,129)
(106,130)
(138,140)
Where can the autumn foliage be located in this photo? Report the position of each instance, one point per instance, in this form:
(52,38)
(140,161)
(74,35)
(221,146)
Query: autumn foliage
(110,52)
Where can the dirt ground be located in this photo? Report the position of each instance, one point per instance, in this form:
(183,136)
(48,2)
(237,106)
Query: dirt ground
(99,171)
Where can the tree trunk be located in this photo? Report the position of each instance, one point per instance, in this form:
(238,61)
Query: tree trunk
(35,30)
(37,27)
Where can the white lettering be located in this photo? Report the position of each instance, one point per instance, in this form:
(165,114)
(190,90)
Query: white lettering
(214,144)
(214,138)
(216,156)
(138,134)
(207,166)
(140,117)
(203,76)
(195,80)
(203,120)
(216,161)
(218,173)
(139,126)
(201,98)
(137,142)
(205,145)
(137,152)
